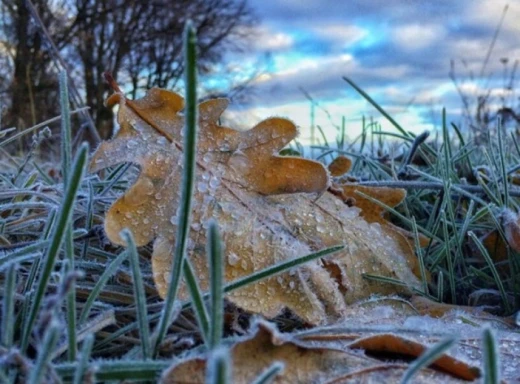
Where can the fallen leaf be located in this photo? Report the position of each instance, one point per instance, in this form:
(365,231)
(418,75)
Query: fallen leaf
(269,208)
(372,212)
(306,362)
(339,166)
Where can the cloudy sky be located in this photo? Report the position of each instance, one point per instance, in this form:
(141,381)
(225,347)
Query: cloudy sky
(398,51)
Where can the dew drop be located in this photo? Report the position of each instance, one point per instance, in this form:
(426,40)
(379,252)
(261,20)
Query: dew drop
(206,158)
(162,140)
(233,259)
(202,187)
(214,182)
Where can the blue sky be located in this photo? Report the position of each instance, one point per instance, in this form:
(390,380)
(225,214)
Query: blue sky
(397,51)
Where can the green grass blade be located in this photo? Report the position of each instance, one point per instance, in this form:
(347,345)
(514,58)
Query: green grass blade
(7,322)
(270,373)
(449,258)
(376,106)
(503,164)
(106,370)
(14,138)
(216,269)
(82,365)
(218,369)
(440,287)
(197,299)
(188,180)
(279,268)
(110,270)
(420,256)
(71,295)
(428,357)
(139,294)
(64,216)
(66,141)
(492,268)
(45,353)
(8,261)
(66,160)
(490,365)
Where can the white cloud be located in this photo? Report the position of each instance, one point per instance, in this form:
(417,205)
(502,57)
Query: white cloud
(489,13)
(265,38)
(414,37)
(341,34)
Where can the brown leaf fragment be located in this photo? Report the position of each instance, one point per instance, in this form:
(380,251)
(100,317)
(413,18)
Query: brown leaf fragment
(431,308)
(510,223)
(339,166)
(303,363)
(366,320)
(390,343)
(253,355)
(265,205)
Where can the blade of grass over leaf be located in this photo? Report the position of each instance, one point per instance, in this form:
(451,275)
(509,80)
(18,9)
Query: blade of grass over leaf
(279,268)
(491,363)
(64,216)
(188,179)
(218,369)
(198,301)
(394,212)
(428,357)
(270,373)
(139,295)
(492,268)
(420,256)
(214,250)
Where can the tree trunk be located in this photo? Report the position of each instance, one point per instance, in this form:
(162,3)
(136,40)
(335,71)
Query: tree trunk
(20,111)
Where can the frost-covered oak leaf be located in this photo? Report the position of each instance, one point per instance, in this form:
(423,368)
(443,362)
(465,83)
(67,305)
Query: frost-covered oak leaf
(269,209)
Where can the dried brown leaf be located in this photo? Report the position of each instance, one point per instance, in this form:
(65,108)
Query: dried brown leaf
(265,204)
(307,362)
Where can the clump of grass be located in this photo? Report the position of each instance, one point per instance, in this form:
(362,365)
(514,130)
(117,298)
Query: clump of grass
(457,195)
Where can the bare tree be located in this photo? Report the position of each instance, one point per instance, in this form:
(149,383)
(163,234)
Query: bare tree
(140,42)
(26,57)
